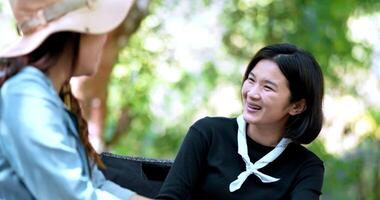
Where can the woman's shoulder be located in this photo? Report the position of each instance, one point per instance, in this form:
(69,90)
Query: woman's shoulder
(29,81)
(304,154)
(214,130)
(214,122)
(28,87)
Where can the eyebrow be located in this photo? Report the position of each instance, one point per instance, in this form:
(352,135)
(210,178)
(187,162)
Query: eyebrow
(266,81)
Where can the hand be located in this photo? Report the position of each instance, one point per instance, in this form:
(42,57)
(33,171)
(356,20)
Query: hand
(138,197)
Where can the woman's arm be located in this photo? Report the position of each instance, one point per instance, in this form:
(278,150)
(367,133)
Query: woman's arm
(309,182)
(102,183)
(187,170)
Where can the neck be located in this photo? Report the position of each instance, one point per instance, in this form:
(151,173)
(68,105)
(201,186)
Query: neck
(265,135)
(60,72)
(58,79)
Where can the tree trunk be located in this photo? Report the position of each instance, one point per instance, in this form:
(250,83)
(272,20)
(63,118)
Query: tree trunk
(92,91)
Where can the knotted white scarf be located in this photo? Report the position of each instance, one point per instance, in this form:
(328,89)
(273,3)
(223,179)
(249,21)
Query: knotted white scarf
(250,167)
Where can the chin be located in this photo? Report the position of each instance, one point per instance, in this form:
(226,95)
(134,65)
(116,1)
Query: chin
(85,73)
(247,117)
(251,118)
(91,73)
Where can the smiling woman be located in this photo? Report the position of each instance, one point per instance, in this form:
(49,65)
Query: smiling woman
(259,154)
(266,102)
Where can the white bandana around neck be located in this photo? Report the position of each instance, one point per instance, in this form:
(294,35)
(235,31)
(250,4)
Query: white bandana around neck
(252,168)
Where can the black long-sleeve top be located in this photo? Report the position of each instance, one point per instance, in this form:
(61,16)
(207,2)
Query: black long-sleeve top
(208,162)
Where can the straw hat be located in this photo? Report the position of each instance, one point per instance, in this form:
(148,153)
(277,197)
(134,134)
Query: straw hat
(37,19)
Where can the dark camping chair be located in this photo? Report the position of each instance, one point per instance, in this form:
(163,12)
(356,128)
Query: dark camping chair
(143,175)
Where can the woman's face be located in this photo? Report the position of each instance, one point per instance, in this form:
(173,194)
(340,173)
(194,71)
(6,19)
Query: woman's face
(90,54)
(266,96)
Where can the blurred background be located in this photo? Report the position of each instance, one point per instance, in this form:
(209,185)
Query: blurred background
(173,62)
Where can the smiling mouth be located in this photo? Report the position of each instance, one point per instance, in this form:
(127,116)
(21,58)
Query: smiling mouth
(251,107)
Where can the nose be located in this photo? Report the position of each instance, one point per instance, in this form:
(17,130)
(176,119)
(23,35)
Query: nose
(254,92)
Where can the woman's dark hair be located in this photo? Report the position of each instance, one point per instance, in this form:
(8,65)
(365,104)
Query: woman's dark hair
(305,81)
(44,57)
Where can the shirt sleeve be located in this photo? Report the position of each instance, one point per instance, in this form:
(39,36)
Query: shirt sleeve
(43,153)
(102,183)
(185,174)
(309,182)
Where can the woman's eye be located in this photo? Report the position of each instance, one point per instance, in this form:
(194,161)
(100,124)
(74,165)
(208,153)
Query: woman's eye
(251,79)
(268,88)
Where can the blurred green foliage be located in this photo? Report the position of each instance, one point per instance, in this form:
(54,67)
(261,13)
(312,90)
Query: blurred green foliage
(160,110)
(318,26)
(152,113)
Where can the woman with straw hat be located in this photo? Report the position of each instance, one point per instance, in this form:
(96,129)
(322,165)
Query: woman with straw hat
(44,148)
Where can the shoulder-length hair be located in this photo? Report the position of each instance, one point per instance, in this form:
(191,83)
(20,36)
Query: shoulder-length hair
(305,81)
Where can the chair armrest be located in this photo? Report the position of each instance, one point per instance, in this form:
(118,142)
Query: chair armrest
(142,175)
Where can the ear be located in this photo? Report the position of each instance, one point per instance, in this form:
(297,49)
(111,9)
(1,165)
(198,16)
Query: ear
(297,107)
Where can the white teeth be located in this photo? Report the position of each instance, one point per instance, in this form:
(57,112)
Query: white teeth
(255,107)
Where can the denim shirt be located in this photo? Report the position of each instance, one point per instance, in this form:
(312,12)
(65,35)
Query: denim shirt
(41,155)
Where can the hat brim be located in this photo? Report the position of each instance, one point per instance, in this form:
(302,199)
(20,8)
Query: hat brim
(101,17)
